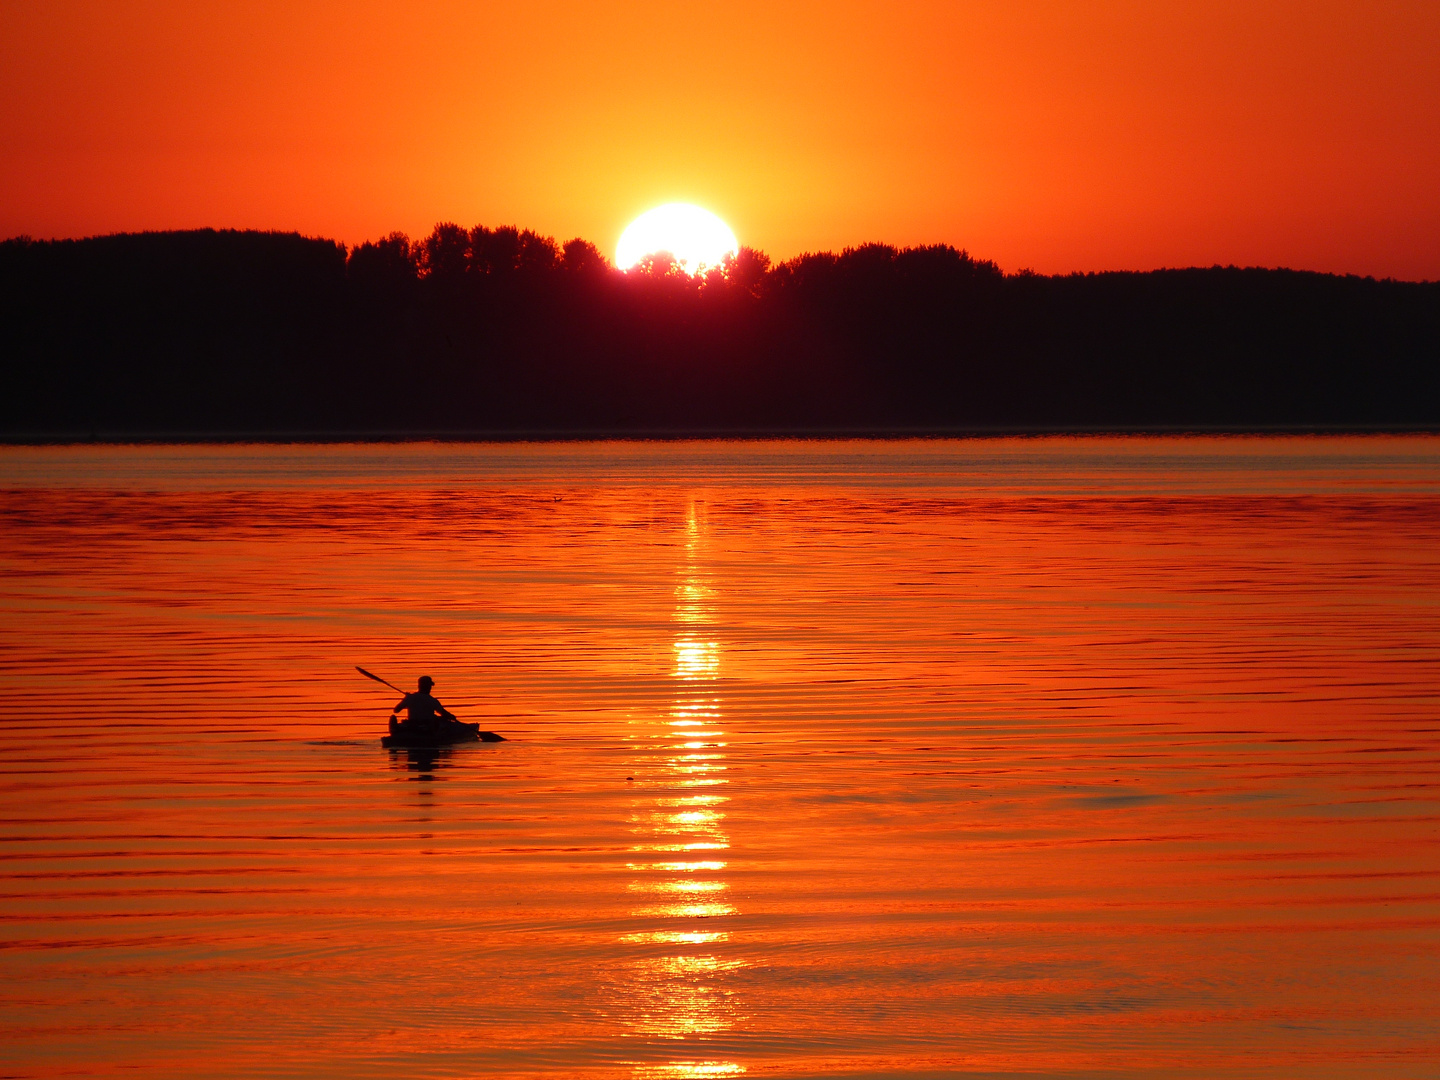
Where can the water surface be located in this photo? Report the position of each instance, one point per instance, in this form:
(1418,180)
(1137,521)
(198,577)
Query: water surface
(1060,757)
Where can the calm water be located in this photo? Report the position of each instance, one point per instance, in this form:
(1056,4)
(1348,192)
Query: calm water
(1100,758)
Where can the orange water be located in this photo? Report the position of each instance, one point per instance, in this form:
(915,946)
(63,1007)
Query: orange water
(1100,758)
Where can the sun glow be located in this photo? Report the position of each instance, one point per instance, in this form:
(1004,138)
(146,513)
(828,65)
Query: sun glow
(696,238)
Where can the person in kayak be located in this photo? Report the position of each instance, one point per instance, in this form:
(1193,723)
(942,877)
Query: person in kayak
(422,709)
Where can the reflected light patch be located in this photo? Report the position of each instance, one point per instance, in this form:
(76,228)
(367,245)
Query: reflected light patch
(697,659)
(694,887)
(693,603)
(693,800)
(696,704)
(677,996)
(693,817)
(675,937)
(696,965)
(684,911)
(686,887)
(681,1070)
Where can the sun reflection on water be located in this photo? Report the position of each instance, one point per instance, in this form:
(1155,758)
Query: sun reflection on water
(696,660)
(675,937)
(679,1070)
(677,991)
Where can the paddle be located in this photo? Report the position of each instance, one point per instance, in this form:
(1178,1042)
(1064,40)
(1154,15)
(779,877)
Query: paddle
(377,678)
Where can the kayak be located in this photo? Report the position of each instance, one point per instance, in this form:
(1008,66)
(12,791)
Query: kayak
(446,736)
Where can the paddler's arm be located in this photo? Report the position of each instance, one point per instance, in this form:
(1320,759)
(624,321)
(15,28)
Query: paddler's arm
(445,714)
(395,711)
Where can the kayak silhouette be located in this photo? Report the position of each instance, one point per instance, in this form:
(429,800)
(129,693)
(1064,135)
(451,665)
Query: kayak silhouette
(399,737)
(428,722)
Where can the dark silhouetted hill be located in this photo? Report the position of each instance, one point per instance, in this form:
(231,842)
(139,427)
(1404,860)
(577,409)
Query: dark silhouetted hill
(503,330)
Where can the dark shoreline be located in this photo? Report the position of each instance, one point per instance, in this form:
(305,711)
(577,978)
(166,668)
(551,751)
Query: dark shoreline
(309,438)
(498,334)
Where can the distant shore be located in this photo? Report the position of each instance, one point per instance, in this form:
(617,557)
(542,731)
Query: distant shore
(320,438)
(504,334)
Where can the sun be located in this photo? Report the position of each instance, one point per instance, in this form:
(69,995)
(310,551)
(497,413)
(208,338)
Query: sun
(695,237)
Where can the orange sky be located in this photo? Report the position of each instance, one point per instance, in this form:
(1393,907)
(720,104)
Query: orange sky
(1088,134)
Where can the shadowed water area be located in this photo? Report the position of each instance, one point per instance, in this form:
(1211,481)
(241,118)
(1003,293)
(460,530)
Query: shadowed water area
(1060,757)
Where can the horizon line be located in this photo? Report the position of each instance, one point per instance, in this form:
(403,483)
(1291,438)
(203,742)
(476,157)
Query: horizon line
(1021,272)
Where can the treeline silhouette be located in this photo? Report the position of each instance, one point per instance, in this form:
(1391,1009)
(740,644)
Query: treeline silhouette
(503,330)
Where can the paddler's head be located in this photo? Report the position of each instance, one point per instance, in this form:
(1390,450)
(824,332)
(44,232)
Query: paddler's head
(426,682)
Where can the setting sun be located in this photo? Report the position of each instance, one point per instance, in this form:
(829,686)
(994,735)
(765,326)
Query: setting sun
(695,237)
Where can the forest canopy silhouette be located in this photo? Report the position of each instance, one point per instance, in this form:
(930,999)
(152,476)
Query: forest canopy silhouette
(503,330)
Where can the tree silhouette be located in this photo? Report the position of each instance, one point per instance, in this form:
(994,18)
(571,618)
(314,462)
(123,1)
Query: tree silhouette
(582,257)
(384,264)
(747,269)
(445,253)
(494,329)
